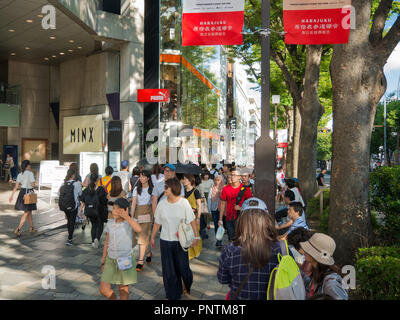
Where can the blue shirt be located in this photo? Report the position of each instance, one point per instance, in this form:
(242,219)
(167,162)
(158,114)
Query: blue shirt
(299,223)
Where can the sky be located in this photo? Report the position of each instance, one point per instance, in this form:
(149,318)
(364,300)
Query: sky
(392,67)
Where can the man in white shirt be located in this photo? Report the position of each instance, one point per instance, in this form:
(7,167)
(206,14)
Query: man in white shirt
(125,176)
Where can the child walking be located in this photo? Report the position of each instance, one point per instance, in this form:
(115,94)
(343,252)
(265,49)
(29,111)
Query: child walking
(118,261)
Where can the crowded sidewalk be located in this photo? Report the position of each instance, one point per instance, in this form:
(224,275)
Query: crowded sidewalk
(78,267)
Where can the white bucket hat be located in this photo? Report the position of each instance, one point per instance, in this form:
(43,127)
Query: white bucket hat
(321,247)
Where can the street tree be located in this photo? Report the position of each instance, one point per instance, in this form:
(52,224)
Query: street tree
(358,83)
(300,67)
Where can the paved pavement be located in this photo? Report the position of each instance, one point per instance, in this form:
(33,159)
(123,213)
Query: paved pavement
(78,267)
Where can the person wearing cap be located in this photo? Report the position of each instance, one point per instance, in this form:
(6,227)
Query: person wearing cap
(117,247)
(326,277)
(158,191)
(125,176)
(253,253)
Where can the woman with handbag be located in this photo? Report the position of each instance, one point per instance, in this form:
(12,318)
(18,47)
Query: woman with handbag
(194,198)
(27,182)
(175,261)
(117,263)
(214,203)
(143,213)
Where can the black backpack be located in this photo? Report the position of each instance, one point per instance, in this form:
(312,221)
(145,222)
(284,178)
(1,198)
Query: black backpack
(91,205)
(67,198)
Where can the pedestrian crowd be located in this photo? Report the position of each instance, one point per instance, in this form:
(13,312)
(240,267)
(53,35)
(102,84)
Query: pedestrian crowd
(133,207)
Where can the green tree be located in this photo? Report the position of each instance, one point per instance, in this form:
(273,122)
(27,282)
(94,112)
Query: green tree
(324,146)
(299,71)
(358,83)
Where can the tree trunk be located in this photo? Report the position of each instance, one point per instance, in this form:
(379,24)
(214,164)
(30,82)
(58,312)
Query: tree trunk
(358,83)
(296,141)
(311,111)
(289,150)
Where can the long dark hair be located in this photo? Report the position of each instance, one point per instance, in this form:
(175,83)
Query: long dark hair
(69,175)
(24,164)
(321,271)
(157,170)
(147,174)
(116,186)
(92,184)
(255,233)
(94,168)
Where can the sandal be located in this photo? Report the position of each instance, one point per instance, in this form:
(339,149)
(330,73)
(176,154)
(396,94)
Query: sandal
(139,266)
(32,230)
(18,232)
(148,258)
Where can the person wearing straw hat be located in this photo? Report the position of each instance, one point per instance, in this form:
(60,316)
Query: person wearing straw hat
(326,277)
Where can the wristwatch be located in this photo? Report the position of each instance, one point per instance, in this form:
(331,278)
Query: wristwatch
(196,238)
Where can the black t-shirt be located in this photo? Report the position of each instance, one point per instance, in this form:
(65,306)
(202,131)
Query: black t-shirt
(319,179)
(197,194)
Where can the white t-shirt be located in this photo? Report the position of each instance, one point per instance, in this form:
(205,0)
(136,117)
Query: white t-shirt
(26,179)
(144,198)
(125,177)
(297,196)
(205,186)
(155,180)
(280,177)
(169,216)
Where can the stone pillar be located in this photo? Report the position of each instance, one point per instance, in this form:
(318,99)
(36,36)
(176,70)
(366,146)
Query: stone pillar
(131,79)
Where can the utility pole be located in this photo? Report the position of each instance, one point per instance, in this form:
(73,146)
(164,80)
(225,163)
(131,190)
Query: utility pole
(265,148)
(384,132)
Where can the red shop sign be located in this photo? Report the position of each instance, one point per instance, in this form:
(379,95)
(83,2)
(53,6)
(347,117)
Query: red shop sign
(219,22)
(153,95)
(309,22)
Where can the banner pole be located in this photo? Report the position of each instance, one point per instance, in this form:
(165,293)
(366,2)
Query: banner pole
(265,147)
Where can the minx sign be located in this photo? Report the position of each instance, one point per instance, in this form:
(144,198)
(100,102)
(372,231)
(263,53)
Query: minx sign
(83,134)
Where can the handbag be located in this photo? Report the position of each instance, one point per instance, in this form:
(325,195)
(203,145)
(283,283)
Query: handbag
(185,235)
(30,198)
(123,263)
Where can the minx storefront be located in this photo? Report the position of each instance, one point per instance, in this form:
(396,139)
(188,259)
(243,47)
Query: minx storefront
(196,77)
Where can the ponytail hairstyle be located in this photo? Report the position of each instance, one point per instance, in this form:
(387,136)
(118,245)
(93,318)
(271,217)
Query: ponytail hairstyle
(70,173)
(24,164)
(92,184)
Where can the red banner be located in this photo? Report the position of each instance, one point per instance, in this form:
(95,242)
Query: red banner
(309,22)
(216,22)
(153,95)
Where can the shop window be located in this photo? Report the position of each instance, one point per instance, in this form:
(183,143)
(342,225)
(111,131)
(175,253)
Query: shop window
(112,6)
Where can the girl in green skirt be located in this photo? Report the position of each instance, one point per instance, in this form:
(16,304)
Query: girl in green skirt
(118,262)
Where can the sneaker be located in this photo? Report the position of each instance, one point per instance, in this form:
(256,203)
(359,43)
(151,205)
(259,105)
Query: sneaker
(92,244)
(69,243)
(96,243)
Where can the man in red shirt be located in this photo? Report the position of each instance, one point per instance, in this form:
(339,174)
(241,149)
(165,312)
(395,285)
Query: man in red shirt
(229,201)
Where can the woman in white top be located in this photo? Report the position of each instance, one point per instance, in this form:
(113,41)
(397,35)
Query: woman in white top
(27,182)
(143,213)
(175,261)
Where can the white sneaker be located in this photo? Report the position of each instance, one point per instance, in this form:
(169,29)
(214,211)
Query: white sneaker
(92,244)
(96,243)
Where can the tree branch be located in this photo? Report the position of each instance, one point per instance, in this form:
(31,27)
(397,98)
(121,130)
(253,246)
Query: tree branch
(290,81)
(379,21)
(390,41)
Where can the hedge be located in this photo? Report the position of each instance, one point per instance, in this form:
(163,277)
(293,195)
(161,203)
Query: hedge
(378,276)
